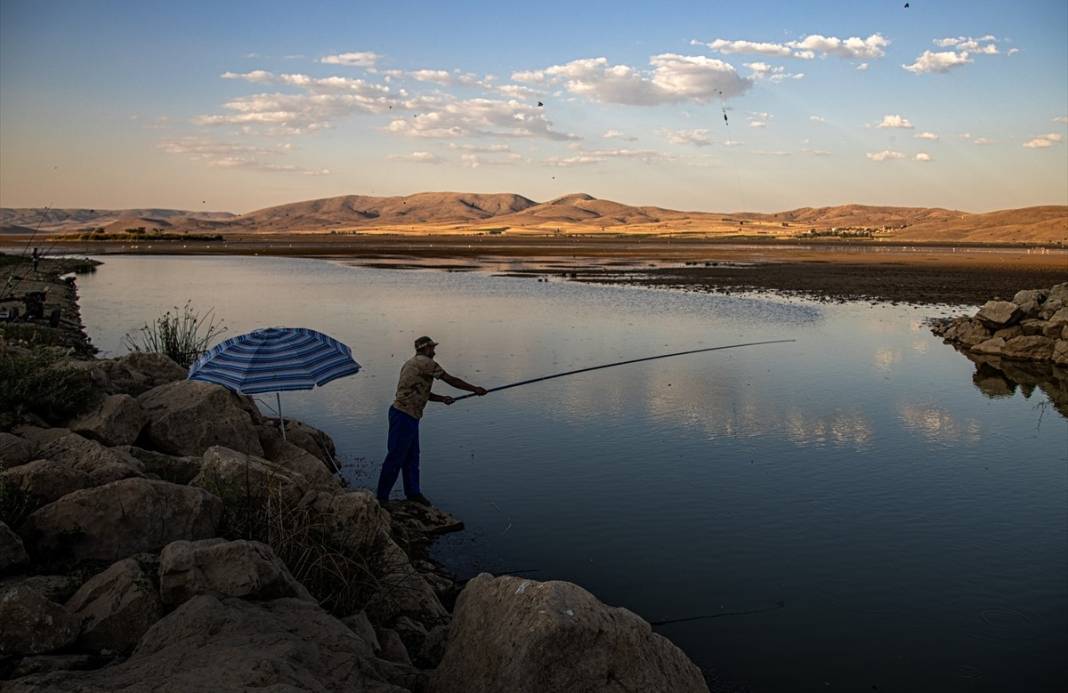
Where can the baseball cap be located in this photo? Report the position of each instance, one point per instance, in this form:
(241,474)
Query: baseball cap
(424,342)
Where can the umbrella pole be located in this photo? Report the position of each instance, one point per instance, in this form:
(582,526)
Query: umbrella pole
(281,419)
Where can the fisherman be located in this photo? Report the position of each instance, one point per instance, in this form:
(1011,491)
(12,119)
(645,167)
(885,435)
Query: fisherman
(413,392)
(36,259)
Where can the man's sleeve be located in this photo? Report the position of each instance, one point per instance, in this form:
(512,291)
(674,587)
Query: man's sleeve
(436,371)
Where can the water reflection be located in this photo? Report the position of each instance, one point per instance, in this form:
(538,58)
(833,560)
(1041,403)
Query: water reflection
(939,425)
(998,377)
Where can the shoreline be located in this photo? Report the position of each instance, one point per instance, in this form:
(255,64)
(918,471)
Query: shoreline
(839,270)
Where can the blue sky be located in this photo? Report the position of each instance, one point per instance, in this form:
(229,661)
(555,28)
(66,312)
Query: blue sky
(236,106)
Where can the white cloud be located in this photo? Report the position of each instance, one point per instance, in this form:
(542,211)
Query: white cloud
(885,155)
(895,121)
(815,152)
(862,67)
(454,78)
(357,59)
(673,78)
(1061,119)
(234,155)
(982,140)
(926,136)
(536,76)
(923,156)
(517,91)
(772,73)
(986,45)
(808,48)
(1044,141)
(483,148)
(1013,51)
(940,62)
(817,119)
(417,158)
(479,118)
(698,137)
(618,135)
(759,120)
(596,156)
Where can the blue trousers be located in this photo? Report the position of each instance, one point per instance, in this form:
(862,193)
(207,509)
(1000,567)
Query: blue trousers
(402,455)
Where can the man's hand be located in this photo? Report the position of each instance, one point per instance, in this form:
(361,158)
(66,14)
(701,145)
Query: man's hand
(446,400)
(480,391)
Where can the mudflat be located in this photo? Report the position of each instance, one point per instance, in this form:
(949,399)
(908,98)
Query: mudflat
(916,273)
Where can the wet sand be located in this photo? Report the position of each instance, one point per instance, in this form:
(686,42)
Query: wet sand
(916,273)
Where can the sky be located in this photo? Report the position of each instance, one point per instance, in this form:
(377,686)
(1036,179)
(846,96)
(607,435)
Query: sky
(706,106)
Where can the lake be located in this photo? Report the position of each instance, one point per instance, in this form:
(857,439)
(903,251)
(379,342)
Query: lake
(884,524)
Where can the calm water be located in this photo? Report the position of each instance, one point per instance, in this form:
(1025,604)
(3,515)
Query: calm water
(915,530)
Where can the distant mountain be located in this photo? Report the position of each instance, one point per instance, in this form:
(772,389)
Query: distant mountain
(47,219)
(451,212)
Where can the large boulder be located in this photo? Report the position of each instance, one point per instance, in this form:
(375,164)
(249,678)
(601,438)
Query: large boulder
(45,481)
(246,569)
(230,475)
(522,636)
(132,374)
(116,607)
(12,552)
(402,590)
(1060,317)
(998,314)
(1028,348)
(1027,328)
(212,644)
(14,450)
(102,464)
(189,416)
(290,456)
(967,331)
(1060,352)
(1058,292)
(991,346)
(115,421)
(354,520)
(1029,296)
(56,588)
(31,624)
(120,519)
(306,437)
(177,470)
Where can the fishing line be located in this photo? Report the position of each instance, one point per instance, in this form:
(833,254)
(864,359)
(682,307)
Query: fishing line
(624,363)
(778,605)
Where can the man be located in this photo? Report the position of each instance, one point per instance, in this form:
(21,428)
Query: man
(413,392)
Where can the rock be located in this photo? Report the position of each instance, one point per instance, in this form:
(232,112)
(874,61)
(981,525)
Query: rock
(14,451)
(31,624)
(522,636)
(359,624)
(102,464)
(120,519)
(45,481)
(1034,348)
(230,474)
(1053,331)
(298,459)
(212,644)
(433,649)
(402,590)
(998,314)
(245,569)
(353,520)
(116,607)
(1060,352)
(308,438)
(1008,332)
(132,374)
(42,664)
(1029,327)
(39,437)
(1060,317)
(56,588)
(189,416)
(177,470)
(1030,309)
(115,421)
(423,519)
(968,332)
(991,346)
(12,552)
(1059,293)
(393,649)
(1029,295)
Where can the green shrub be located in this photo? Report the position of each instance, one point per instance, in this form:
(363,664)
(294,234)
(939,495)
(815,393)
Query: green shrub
(182,335)
(37,384)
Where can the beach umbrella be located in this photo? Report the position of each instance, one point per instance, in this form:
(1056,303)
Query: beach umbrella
(273,360)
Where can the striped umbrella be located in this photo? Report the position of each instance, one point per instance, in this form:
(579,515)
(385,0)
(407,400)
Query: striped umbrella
(275,359)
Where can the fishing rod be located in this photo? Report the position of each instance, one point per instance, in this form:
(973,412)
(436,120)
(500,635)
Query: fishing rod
(623,363)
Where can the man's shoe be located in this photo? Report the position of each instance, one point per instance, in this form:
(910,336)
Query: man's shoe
(421,500)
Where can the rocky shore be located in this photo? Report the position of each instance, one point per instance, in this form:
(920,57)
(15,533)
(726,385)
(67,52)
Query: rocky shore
(160,534)
(1023,341)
